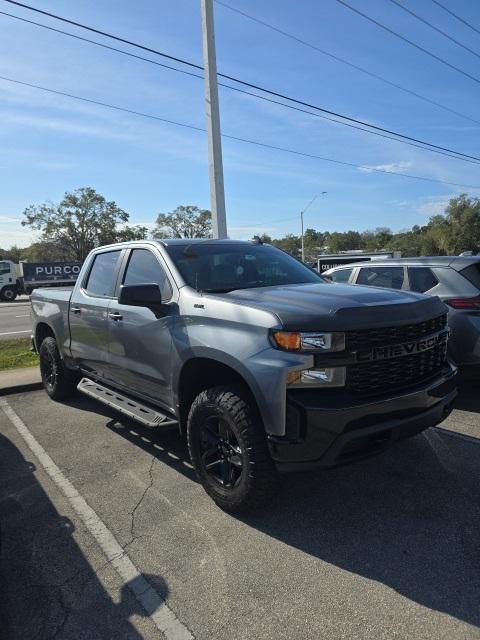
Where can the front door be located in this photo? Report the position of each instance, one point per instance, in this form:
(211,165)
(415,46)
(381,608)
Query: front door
(88,313)
(140,342)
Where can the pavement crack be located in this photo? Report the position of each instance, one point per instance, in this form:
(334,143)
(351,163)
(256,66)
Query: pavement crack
(137,506)
(66,615)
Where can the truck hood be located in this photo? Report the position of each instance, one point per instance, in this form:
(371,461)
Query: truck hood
(339,307)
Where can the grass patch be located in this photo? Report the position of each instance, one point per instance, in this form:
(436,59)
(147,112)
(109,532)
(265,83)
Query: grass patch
(16,353)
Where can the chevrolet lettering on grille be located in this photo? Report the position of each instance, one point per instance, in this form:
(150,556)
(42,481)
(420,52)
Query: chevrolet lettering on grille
(404,348)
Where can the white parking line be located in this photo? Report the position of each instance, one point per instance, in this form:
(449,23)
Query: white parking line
(11,333)
(161,616)
(25,315)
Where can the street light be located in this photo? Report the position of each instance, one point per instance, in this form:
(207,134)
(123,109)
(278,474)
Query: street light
(301,218)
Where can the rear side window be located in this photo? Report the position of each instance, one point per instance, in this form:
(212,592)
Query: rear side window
(144,268)
(101,280)
(340,276)
(389,277)
(421,279)
(472,274)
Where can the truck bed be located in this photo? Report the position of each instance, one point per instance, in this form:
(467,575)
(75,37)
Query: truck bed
(52,305)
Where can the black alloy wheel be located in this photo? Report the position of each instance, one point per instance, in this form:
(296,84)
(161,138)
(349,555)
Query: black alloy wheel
(221,454)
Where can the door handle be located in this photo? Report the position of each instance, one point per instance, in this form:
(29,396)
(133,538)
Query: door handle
(75,310)
(115,316)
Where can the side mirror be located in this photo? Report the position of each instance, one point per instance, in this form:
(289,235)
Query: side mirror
(141,295)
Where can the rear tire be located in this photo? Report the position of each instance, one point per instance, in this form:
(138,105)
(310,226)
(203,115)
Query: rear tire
(9,294)
(229,451)
(58,381)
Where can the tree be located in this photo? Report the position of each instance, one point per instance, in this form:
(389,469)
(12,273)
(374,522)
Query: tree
(83,220)
(184,222)
(289,243)
(14,254)
(459,229)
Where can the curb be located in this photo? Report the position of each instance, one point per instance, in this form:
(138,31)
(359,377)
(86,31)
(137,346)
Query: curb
(21,388)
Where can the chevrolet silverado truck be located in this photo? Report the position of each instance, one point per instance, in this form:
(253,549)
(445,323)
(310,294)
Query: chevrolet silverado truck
(261,364)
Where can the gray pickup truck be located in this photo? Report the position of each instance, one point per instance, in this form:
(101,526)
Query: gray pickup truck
(263,365)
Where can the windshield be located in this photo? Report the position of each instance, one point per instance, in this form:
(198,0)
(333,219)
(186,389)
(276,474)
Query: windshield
(219,268)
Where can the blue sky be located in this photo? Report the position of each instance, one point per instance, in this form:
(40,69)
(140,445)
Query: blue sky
(50,144)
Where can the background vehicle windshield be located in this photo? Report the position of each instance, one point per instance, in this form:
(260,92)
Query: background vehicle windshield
(225,267)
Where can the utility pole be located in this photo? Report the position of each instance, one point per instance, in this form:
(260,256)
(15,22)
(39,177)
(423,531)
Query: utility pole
(301,218)
(215,165)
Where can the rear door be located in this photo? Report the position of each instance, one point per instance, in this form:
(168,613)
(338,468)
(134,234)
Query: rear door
(140,341)
(88,313)
(390,277)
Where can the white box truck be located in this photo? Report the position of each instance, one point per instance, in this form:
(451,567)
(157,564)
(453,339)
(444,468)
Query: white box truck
(23,278)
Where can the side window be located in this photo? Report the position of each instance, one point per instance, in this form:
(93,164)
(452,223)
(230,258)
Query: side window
(340,276)
(390,277)
(4,268)
(421,279)
(101,279)
(144,268)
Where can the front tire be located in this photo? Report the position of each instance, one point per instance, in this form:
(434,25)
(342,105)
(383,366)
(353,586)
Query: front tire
(9,294)
(228,449)
(58,381)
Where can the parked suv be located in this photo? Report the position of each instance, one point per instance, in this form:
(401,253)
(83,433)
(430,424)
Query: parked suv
(455,280)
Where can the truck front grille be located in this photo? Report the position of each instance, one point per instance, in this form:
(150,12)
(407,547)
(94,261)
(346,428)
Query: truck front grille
(377,376)
(393,335)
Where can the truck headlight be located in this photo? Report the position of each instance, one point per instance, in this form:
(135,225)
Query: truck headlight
(311,341)
(322,377)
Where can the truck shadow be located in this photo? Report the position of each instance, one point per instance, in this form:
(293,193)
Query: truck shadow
(49,588)
(409,519)
(468,398)
(164,444)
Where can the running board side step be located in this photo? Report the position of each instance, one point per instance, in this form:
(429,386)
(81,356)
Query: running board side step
(126,405)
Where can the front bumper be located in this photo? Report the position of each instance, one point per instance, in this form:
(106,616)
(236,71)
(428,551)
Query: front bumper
(330,427)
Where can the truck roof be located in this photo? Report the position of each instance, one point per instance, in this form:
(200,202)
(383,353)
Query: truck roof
(186,241)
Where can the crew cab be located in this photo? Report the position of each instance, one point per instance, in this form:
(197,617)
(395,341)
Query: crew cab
(261,364)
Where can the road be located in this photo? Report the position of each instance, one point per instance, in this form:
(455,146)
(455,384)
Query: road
(15,318)
(102,518)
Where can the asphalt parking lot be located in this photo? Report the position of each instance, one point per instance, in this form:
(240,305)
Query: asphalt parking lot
(385,548)
(15,318)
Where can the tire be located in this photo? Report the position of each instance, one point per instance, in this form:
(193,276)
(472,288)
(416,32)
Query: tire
(9,294)
(228,449)
(58,381)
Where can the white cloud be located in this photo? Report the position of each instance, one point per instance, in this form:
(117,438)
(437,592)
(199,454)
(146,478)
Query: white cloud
(18,236)
(398,167)
(434,205)
(9,219)
(55,124)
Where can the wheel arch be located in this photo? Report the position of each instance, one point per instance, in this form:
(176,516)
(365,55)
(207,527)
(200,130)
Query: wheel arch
(42,331)
(200,373)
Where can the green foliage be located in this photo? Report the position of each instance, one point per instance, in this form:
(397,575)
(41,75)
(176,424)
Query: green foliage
(184,222)
(290,243)
(83,220)
(457,230)
(16,353)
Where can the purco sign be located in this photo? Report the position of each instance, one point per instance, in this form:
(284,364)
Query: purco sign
(44,271)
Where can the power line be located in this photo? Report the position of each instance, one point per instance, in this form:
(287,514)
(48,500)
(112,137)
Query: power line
(432,26)
(455,15)
(248,84)
(345,62)
(410,42)
(243,91)
(366,168)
